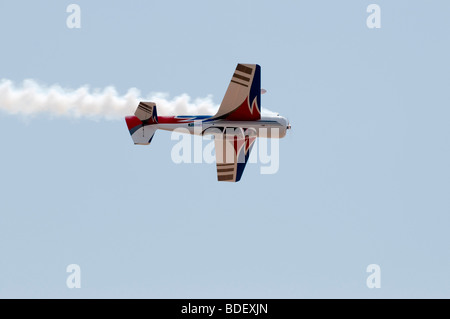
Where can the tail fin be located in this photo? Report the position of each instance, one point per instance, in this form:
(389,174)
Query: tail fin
(146,112)
(141,124)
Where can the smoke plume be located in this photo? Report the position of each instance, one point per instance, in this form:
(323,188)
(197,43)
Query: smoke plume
(31,99)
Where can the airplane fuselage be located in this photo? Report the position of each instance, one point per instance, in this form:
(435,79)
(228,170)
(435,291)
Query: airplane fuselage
(235,127)
(267,126)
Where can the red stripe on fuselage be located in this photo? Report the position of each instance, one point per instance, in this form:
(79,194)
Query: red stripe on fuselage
(172,120)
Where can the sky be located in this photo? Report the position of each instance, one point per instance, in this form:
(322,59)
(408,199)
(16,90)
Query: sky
(364,174)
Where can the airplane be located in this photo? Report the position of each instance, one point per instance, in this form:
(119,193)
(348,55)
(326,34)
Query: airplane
(235,126)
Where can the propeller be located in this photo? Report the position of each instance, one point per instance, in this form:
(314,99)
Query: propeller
(288,128)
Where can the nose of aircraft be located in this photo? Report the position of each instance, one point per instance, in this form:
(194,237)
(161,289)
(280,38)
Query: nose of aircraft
(288,124)
(284,122)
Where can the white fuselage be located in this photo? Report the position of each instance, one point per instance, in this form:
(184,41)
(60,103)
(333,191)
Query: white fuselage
(267,126)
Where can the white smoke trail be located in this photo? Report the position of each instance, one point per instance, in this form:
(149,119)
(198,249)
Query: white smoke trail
(32,99)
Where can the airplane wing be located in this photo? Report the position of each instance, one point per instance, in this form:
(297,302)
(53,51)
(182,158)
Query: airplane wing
(232,153)
(242,100)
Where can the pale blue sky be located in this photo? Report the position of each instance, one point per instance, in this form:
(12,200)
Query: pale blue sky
(364,174)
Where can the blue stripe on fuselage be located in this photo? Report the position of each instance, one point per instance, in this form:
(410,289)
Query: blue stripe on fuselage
(193,117)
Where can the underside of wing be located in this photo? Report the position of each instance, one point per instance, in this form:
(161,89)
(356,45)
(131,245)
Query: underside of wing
(242,100)
(232,154)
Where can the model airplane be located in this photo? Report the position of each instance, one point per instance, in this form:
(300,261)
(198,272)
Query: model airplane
(239,112)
